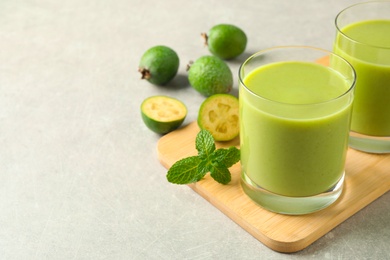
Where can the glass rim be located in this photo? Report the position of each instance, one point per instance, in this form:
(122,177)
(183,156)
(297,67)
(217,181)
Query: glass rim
(351,87)
(352,39)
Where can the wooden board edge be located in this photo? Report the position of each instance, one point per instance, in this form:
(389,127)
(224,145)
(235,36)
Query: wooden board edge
(284,246)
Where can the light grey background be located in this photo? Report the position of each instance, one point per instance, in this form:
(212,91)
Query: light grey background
(79,173)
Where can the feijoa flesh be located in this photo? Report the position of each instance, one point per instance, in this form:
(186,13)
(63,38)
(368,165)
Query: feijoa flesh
(220,116)
(163,114)
(159,65)
(225,41)
(210,75)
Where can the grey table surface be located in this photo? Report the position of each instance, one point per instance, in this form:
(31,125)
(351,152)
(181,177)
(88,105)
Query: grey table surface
(79,173)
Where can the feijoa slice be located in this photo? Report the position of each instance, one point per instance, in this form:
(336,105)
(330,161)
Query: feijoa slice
(163,114)
(219,115)
(159,65)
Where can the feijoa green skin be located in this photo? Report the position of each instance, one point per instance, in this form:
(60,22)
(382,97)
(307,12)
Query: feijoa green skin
(163,114)
(226,41)
(159,65)
(210,75)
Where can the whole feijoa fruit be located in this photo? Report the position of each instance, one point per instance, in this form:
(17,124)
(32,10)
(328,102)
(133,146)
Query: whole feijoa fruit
(225,41)
(159,65)
(163,114)
(210,75)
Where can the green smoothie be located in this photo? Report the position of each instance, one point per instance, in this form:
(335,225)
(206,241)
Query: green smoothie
(367,48)
(294,136)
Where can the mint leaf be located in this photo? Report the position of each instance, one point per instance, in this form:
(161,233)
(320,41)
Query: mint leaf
(205,144)
(227,157)
(220,173)
(204,167)
(185,171)
(209,159)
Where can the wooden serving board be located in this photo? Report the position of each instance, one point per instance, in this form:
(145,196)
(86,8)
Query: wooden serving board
(367,178)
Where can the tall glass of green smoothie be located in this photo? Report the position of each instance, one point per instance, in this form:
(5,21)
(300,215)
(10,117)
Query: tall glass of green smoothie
(295,116)
(363,38)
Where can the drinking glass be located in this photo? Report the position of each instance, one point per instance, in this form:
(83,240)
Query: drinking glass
(295,115)
(363,38)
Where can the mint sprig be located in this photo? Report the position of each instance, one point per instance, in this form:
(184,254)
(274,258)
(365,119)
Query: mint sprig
(209,159)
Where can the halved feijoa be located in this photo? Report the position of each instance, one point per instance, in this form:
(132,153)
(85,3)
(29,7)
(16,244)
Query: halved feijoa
(162,114)
(219,115)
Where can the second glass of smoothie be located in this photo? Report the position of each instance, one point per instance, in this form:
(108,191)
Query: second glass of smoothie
(295,113)
(363,38)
